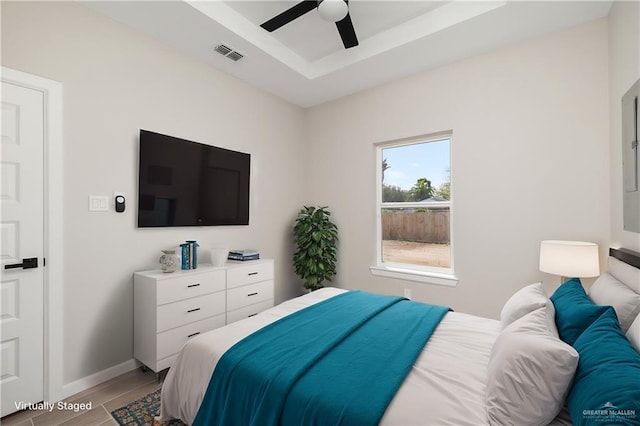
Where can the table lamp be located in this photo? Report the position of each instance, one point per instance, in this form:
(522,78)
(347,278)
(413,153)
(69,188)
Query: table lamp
(569,259)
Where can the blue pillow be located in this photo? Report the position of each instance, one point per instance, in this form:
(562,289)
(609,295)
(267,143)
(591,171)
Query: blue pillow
(574,310)
(606,388)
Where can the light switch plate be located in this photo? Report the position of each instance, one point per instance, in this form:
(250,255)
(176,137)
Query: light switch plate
(98,203)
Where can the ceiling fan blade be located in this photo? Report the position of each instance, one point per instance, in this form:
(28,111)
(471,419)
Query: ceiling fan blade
(347,33)
(289,15)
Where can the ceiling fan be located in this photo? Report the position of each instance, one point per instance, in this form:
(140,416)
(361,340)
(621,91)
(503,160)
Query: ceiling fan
(331,10)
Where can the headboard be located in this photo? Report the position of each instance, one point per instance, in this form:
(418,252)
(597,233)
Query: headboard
(629,257)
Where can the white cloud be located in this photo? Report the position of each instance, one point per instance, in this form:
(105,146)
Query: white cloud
(398,178)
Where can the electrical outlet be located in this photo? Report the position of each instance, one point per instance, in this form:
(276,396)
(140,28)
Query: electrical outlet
(407,293)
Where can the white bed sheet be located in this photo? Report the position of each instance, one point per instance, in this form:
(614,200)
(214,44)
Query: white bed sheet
(445,387)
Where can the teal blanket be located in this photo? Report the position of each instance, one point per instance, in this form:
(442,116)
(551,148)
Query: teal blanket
(338,362)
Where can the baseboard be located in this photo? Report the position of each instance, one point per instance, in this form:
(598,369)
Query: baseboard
(99,377)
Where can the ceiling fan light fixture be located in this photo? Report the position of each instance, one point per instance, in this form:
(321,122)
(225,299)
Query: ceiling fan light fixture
(333,10)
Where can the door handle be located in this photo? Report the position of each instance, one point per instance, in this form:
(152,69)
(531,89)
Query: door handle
(28,263)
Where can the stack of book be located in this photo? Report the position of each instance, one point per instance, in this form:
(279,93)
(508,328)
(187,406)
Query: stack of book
(189,251)
(244,255)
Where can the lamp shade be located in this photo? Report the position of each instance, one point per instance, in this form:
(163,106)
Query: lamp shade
(569,258)
(333,10)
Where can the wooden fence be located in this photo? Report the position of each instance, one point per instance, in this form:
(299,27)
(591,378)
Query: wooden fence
(424,227)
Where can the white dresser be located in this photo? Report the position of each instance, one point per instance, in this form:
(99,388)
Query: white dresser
(171,308)
(249,289)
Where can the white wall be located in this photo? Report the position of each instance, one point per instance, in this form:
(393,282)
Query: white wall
(624,71)
(116,81)
(530,161)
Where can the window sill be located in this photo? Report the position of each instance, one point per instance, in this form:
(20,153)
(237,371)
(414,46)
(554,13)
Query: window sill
(413,275)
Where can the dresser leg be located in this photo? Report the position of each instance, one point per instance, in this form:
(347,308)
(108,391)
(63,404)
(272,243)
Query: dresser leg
(161,375)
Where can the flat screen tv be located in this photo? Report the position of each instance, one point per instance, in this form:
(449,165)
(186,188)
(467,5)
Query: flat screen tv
(184,183)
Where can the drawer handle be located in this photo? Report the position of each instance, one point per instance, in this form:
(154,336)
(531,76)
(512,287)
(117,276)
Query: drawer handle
(193,334)
(252,273)
(252,315)
(193,310)
(193,285)
(252,294)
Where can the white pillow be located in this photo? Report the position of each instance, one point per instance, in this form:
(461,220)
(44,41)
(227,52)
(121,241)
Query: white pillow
(625,273)
(634,333)
(529,373)
(527,300)
(607,290)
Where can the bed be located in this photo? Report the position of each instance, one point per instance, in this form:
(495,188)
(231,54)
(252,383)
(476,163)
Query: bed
(474,370)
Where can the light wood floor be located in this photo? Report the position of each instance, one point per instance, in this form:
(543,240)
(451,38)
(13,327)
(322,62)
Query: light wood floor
(104,398)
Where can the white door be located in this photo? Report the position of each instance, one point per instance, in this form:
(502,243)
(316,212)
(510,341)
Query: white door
(22,238)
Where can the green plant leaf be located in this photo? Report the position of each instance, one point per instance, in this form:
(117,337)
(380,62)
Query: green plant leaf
(316,237)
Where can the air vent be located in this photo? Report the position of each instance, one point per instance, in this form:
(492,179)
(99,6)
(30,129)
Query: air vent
(228,52)
(222,49)
(235,56)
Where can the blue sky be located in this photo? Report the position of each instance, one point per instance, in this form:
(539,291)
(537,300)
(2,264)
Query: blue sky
(409,163)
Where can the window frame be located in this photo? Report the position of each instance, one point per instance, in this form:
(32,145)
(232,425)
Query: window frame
(406,271)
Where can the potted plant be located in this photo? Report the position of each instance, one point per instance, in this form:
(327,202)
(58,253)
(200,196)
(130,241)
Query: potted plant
(316,239)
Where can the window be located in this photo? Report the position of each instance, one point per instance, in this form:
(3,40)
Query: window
(414,209)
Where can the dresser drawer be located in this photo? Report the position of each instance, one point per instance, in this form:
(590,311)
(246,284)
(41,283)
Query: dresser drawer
(186,311)
(248,311)
(249,273)
(189,285)
(240,297)
(171,341)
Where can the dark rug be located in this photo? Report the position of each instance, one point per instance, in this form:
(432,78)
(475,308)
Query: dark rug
(142,411)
